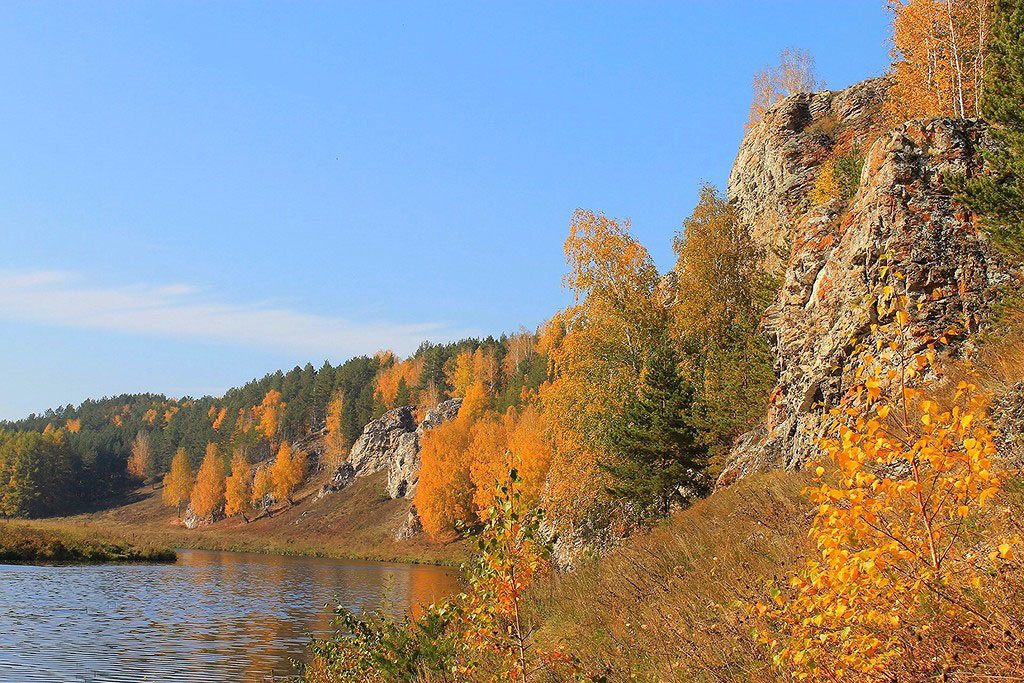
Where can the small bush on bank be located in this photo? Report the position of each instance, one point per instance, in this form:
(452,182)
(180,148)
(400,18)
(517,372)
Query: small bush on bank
(481,634)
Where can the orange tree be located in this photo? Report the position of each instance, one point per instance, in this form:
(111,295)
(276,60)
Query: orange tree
(270,411)
(489,457)
(444,495)
(238,486)
(902,491)
(141,456)
(335,443)
(939,48)
(262,486)
(517,440)
(208,492)
(288,471)
(178,482)
(597,349)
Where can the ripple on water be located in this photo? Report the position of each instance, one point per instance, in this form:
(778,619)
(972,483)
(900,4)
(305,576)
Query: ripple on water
(213,616)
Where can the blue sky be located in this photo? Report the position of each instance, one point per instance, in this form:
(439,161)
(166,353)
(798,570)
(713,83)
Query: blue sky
(196,193)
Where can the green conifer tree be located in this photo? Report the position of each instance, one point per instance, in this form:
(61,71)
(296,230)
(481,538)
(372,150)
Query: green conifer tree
(998,194)
(403,396)
(659,456)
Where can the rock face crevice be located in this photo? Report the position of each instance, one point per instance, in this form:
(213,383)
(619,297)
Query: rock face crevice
(373,450)
(902,215)
(404,462)
(1008,416)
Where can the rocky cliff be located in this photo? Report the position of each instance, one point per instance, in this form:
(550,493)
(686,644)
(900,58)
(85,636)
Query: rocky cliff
(830,253)
(404,463)
(780,157)
(391,442)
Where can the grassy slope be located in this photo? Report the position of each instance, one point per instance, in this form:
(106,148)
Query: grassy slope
(663,606)
(657,607)
(357,522)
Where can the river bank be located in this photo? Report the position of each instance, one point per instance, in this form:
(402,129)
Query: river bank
(357,523)
(24,544)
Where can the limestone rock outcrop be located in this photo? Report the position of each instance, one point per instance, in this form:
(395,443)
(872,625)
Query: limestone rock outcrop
(779,158)
(373,449)
(193,521)
(411,526)
(391,442)
(404,465)
(902,212)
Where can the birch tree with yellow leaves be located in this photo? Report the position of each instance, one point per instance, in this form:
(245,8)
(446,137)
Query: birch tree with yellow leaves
(905,493)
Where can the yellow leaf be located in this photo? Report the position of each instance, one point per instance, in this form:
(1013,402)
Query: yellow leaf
(1006,551)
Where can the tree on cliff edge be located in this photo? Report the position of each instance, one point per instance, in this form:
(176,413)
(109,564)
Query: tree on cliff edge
(998,194)
(795,73)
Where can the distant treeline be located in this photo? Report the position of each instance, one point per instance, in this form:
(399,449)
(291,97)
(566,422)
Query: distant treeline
(68,457)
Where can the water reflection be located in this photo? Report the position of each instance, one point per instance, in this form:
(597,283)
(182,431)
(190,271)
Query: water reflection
(213,616)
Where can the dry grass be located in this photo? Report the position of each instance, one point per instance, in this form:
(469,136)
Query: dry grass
(999,361)
(661,606)
(959,646)
(20,543)
(997,368)
(664,605)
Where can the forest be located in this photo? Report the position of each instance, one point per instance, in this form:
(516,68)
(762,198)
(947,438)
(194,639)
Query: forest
(70,457)
(895,557)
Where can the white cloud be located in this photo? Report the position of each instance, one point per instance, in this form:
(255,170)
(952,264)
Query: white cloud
(181,311)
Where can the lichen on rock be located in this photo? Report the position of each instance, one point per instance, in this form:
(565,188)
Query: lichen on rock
(902,215)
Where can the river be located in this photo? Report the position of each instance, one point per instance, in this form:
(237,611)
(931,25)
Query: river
(212,616)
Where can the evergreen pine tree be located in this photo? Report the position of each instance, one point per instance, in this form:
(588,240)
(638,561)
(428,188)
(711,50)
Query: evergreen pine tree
(998,194)
(323,387)
(660,459)
(403,397)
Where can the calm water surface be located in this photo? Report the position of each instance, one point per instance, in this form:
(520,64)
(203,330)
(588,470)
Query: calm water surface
(213,616)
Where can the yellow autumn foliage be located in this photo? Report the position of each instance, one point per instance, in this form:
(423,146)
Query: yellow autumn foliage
(939,51)
(903,488)
(288,471)
(208,492)
(177,483)
(238,486)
